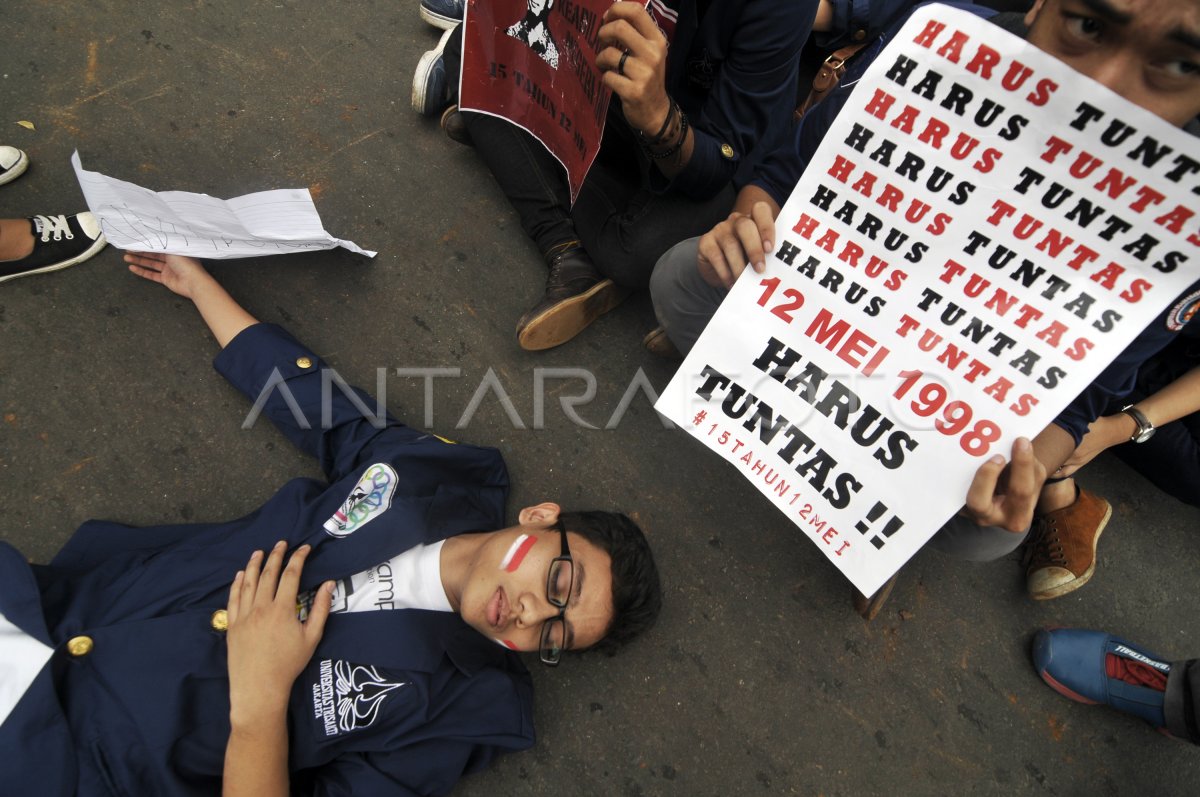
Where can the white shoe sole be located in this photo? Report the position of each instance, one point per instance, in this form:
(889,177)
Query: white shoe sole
(420,99)
(16,170)
(439,21)
(556,325)
(87,254)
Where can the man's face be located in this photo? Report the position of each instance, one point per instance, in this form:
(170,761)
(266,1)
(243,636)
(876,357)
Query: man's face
(536,7)
(1145,50)
(505,593)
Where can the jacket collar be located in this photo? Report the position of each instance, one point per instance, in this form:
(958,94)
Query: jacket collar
(20,601)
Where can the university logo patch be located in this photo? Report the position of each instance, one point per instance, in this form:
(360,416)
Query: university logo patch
(347,697)
(371,497)
(1183,311)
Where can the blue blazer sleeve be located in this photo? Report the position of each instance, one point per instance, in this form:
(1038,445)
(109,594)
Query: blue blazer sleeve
(753,95)
(283,379)
(781,169)
(860,20)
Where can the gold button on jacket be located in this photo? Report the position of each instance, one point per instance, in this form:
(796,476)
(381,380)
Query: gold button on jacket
(304,362)
(727,151)
(80,645)
(220,620)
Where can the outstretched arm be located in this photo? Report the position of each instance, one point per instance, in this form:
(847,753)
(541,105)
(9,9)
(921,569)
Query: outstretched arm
(186,277)
(290,385)
(268,648)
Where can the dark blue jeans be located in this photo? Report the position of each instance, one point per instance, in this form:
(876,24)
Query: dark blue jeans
(623,225)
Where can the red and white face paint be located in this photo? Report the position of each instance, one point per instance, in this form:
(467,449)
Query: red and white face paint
(517,552)
(504,643)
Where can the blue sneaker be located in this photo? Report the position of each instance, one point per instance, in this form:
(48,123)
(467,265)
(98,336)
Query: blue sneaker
(430,91)
(444,14)
(1094,667)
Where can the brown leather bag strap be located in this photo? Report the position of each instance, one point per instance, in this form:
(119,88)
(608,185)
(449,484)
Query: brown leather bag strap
(828,77)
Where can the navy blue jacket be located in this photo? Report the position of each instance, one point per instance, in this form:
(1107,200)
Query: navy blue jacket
(857,21)
(782,169)
(393,702)
(733,71)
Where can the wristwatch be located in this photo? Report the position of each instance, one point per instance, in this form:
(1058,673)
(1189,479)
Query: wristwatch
(1145,429)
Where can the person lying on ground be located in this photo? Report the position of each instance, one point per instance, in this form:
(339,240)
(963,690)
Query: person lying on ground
(382,660)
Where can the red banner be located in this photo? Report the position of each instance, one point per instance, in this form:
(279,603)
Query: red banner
(533,62)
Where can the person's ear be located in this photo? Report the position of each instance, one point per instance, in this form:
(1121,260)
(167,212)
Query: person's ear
(1032,13)
(543,515)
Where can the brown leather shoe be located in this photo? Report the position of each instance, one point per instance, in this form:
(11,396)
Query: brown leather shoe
(868,608)
(1062,554)
(657,343)
(455,127)
(576,295)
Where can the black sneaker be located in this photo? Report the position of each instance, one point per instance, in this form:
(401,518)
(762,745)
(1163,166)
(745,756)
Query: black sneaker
(13,163)
(444,14)
(58,242)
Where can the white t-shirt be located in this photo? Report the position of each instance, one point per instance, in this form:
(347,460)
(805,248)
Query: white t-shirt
(411,580)
(21,659)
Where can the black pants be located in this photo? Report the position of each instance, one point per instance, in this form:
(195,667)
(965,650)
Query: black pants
(624,226)
(1171,458)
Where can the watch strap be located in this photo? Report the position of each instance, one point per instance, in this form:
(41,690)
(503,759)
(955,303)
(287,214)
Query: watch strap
(1143,423)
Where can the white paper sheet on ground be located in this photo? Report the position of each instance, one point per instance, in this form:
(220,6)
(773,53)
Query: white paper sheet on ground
(185,223)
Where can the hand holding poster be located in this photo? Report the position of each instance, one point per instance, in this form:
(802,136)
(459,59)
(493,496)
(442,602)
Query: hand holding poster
(533,62)
(981,232)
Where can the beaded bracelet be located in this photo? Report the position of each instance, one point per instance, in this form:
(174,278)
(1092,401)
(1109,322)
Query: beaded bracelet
(657,138)
(664,134)
(678,145)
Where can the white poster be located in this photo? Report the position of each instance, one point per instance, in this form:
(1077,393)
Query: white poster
(981,232)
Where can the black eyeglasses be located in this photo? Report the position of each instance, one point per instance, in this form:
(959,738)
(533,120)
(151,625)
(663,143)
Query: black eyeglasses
(559,582)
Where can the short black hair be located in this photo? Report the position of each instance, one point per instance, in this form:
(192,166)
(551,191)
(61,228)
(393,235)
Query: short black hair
(637,593)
